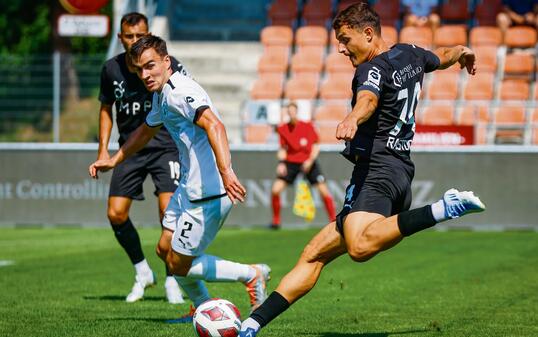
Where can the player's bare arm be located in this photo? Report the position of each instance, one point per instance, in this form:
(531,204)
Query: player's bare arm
(281,167)
(216,134)
(364,108)
(137,140)
(463,55)
(105,128)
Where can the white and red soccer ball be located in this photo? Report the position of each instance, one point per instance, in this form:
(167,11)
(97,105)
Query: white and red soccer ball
(217,318)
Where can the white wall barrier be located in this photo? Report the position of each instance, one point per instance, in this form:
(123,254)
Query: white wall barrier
(42,184)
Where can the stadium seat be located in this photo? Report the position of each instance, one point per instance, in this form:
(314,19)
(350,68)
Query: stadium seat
(331,113)
(478,116)
(274,59)
(311,36)
(338,63)
(421,36)
(443,86)
(509,123)
(343,4)
(283,13)
(337,86)
(455,11)
(514,90)
(450,35)
(317,12)
(485,36)
(389,11)
(268,86)
(519,65)
(437,114)
(276,36)
(389,34)
(485,13)
(301,87)
(308,59)
(486,58)
(257,133)
(479,87)
(520,37)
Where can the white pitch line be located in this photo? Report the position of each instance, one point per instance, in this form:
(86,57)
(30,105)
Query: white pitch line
(4,263)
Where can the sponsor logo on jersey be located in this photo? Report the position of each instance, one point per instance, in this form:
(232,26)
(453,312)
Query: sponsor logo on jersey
(399,144)
(374,78)
(189,99)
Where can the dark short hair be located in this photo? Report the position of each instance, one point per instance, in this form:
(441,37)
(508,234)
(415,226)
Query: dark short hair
(147,42)
(292,103)
(356,16)
(133,18)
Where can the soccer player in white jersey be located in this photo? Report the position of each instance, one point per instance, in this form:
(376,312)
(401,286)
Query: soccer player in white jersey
(208,186)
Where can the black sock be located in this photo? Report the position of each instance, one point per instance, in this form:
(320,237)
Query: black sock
(128,238)
(273,306)
(415,220)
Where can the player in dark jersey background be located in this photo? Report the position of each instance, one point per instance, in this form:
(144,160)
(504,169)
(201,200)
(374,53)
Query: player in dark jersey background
(378,132)
(121,87)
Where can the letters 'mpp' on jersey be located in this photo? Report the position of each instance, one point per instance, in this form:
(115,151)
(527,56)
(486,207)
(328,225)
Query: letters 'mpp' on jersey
(178,106)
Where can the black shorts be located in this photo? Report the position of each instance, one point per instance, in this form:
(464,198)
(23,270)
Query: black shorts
(314,176)
(384,191)
(128,177)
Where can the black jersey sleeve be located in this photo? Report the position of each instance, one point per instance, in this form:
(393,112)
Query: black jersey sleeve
(431,61)
(370,77)
(106,90)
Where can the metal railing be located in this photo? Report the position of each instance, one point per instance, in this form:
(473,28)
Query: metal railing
(37,91)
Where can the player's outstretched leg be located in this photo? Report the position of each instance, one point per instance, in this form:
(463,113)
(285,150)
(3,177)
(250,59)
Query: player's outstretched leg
(327,245)
(366,235)
(214,269)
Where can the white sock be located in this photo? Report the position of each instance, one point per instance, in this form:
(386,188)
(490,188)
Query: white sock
(195,289)
(170,281)
(250,323)
(142,267)
(438,211)
(213,269)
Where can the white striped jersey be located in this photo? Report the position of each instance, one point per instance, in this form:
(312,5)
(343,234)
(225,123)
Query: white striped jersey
(178,106)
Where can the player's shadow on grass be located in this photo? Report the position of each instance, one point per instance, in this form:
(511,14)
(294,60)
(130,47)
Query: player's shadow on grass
(370,334)
(122,298)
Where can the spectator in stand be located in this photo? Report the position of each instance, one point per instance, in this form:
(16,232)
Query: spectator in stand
(518,13)
(421,13)
(298,153)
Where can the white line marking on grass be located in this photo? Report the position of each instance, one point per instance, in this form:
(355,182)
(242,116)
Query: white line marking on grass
(4,263)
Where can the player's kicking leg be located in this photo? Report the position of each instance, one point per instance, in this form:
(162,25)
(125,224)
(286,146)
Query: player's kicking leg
(366,235)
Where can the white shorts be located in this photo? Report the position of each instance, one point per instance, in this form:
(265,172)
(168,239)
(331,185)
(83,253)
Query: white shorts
(195,224)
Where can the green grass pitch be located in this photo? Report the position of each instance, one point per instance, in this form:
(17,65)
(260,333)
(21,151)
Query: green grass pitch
(72,282)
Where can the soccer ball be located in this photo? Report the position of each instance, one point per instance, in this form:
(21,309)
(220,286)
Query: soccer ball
(217,318)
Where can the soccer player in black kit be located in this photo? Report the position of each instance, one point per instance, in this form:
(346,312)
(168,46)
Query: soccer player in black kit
(120,86)
(378,134)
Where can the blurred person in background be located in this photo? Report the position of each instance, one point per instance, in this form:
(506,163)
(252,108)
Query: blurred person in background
(421,13)
(120,86)
(518,13)
(298,153)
